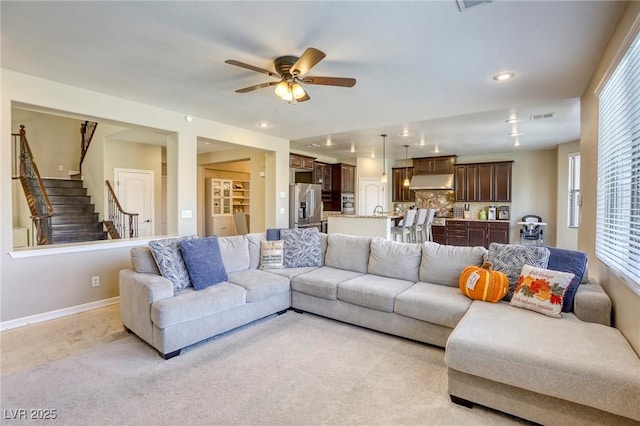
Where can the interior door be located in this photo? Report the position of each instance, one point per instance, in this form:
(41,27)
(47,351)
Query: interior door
(371,193)
(134,189)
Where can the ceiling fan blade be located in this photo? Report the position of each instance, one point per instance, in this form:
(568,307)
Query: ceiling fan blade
(256,87)
(331,81)
(305,98)
(308,60)
(250,67)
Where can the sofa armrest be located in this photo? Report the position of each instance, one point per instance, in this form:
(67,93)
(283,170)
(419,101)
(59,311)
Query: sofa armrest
(592,304)
(138,292)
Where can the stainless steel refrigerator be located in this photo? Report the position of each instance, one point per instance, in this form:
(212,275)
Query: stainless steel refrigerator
(305,205)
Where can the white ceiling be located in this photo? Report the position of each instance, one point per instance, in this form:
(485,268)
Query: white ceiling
(422,66)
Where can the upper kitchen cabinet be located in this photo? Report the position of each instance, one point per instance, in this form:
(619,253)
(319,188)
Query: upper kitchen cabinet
(301,162)
(322,175)
(401,193)
(484,182)
(434,165)
(343,177)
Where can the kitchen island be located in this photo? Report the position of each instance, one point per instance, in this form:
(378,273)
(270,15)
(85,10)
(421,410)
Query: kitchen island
(363,225)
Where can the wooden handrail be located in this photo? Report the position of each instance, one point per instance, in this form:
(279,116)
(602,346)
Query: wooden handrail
(117,214)
(28,172)
(90,128)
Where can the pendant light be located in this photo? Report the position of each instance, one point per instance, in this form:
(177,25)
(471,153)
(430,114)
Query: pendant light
(383,178)
(406,182)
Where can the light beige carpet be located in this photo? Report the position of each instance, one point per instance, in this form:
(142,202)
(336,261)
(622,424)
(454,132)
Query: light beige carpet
(288,369)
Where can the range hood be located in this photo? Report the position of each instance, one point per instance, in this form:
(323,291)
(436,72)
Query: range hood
(419,182)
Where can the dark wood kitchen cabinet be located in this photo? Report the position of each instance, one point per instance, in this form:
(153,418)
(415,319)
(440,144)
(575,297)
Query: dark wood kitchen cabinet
(476,233)
(322,175)
(434,165)
(301,162)
(399,192)
(438,234)
(483,182)
(343,177)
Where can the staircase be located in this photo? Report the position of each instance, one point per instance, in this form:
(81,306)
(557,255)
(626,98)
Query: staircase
(74,219)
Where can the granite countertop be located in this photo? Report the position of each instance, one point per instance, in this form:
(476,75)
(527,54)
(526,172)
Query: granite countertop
(368,216)
(476,220)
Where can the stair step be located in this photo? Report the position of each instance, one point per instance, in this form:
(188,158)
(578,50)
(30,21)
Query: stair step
(73,208)
(65,191)
(61,199)
(76,227)
(79,237)
(74,217)
(62,183)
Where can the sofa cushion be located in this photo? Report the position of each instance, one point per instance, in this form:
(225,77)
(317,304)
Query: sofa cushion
(322,282)
(394,259)
(510,259)
(143,261)
(372,291)
(168,257)
(571,261)
(348,252)
(271,254)
(541,290)
(291,272)
(566,358)
(301,247)
(442,264)
(203,261)
(190,305)
(434,303)
(235,252)
(258,284)
(253,242)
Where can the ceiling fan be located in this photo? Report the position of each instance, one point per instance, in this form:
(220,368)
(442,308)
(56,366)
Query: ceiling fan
(291,71)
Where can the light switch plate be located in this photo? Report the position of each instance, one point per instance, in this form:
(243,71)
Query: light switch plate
(187,214)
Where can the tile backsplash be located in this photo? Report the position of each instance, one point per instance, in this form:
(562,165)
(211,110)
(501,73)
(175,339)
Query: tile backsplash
(441,200)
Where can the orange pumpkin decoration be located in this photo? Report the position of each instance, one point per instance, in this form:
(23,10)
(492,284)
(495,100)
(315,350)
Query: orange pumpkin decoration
(483,283)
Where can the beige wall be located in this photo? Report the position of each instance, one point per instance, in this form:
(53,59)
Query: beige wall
(46,280)
(626,303)
(565,237)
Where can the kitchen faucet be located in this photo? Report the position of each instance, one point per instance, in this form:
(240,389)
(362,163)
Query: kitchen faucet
(378,209)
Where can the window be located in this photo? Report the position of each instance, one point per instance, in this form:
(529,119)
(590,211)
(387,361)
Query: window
(574,190)
(618,203)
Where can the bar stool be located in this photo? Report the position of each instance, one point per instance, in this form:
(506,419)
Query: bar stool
(406,227)
(419,226)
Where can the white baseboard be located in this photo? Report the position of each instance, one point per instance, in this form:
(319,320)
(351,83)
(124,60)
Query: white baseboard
(58,313)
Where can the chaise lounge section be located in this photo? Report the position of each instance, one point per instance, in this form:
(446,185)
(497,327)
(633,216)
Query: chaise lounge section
(570,370)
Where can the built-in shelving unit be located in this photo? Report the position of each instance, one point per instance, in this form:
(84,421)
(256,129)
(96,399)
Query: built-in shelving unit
(240,196)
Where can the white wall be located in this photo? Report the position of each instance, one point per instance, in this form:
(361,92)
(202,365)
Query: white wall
(626,303)
(57,279)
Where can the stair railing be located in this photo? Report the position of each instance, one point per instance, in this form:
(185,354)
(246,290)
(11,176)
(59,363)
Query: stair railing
(87,129)
(123,222)
(34,190)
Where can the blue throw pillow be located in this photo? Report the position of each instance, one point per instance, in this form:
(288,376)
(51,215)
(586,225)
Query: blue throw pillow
(568,261)
(273,234)
(204,262)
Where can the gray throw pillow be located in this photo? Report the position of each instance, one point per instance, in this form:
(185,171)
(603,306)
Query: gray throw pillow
(168,257)
(301,247)
(509,259)
(143,260)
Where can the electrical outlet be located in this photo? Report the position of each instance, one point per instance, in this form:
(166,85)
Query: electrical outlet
(61,168)
(95,281)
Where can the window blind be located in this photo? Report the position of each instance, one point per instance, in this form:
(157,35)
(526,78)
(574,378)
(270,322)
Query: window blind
(574,190)
(618,191)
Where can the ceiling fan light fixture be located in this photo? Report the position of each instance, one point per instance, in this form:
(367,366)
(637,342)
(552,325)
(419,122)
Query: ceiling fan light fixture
(290,91)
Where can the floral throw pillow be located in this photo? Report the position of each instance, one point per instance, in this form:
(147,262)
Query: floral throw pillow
(541,290)
(509,259)
(301,247)
(167,254)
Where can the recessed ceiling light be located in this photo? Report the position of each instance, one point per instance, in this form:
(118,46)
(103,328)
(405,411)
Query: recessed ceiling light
(263,124)
(373,155)
(353,148)
(404,133)
(514,134)
(516,142)
(328,142)
(504,76)
(422,142)
(511,120)
(188,118)
(436,149)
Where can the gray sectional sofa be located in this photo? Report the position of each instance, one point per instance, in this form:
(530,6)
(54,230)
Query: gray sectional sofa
(572,370)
